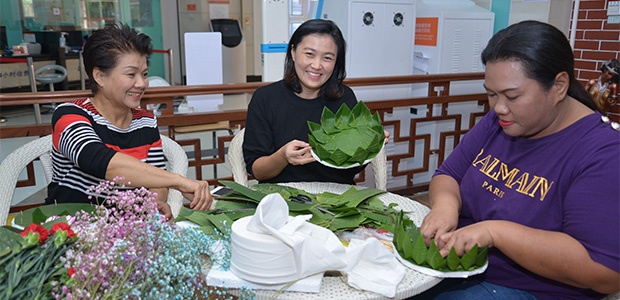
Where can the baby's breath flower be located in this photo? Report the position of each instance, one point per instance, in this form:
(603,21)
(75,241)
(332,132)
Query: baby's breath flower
(127,250)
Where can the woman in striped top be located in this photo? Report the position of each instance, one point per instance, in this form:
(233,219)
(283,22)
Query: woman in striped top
(109,135)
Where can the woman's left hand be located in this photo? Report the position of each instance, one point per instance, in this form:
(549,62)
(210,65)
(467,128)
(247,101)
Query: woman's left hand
(387,136)
(463,239)
(164,209)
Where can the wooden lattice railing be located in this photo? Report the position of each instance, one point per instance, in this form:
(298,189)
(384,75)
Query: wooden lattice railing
(236,119)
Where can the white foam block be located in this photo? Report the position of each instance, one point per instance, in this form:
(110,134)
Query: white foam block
(220,278)
(203,66)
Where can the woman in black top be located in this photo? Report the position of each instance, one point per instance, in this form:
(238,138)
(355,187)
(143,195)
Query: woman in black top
(276,145)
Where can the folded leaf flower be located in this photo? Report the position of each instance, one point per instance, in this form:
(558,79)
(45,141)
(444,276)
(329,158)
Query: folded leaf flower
(348,137)
(410,246)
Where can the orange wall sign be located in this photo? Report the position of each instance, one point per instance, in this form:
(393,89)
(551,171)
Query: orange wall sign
(191,7)
(426,31)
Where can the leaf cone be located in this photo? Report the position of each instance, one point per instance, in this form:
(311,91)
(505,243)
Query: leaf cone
(348,136)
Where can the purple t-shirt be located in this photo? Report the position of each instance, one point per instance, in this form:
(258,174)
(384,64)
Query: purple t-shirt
(566,182)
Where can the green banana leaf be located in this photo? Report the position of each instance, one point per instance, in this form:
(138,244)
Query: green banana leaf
(434,258)
(254,195)
(419,251)
(352,209)
(482,257)
(469,259)
(453,260)
(39,214)
(9,241)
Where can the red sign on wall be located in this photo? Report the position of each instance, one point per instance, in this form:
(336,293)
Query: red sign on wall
(426,31)
(191,7)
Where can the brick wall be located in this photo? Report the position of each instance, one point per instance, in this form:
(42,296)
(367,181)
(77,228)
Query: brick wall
(595,42)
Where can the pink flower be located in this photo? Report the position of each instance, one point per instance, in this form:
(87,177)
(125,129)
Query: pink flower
(36,229)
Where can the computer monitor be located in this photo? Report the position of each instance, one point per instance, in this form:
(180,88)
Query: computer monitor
(230,29)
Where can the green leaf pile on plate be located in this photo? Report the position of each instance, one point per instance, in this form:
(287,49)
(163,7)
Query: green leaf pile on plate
(409,243)
(347,137)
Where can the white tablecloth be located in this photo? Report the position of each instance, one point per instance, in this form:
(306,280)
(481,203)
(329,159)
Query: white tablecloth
(333,287)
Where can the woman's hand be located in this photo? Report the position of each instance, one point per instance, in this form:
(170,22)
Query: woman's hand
(463,239)
(198,192)
(294,152)
(387,136)
(297,152)
(446,205)
(438,222)
(164,209)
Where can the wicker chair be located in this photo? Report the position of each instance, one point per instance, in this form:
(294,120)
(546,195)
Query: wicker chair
(240,175)
(612,297)
(41,148)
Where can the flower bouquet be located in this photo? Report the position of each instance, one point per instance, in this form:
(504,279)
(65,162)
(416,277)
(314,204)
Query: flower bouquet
(30,262)
(122,249)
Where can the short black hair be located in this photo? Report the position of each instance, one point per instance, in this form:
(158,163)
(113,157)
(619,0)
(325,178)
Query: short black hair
(332,89)
(104,46)
(543,51)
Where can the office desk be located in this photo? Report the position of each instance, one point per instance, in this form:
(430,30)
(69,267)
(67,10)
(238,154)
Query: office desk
(15,74)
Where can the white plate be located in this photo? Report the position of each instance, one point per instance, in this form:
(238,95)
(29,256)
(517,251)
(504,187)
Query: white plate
(440,274)
(349,167)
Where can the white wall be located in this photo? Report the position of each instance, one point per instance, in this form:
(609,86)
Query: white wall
(555,12)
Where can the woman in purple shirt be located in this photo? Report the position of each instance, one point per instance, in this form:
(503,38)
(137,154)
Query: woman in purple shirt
(536,179)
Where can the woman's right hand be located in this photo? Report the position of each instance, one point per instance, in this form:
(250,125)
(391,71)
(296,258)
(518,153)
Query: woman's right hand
(198,192)
(297,152)
(439,221)
(446,206)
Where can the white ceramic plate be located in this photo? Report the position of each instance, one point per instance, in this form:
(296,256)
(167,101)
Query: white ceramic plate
(349,167)
(440,274)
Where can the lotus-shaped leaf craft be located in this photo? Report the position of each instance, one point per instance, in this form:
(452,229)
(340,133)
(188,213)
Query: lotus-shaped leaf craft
(410,245)
(348,137)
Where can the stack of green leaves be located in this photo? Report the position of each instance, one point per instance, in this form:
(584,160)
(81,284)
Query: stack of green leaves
(337,212)
(409,243)
(348,137)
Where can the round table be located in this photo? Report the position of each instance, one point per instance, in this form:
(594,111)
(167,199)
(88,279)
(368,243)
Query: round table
(333,287)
